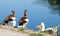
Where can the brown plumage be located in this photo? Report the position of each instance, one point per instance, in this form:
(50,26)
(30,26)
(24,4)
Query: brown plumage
(22,20)
(8,18)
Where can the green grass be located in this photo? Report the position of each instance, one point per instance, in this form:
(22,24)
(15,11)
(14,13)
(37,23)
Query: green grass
(22,29)
(43,34)
(12,29)
(0,27)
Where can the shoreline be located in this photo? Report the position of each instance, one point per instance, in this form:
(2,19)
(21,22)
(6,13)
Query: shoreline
(5,30)
(28,32)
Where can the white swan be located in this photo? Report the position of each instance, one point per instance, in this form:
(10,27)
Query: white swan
(49,29)
(41,26)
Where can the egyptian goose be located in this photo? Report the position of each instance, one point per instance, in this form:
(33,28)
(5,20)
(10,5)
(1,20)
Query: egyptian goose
(24,20)
(13,22)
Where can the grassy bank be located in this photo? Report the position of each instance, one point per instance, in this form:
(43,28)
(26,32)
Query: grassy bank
(43,34)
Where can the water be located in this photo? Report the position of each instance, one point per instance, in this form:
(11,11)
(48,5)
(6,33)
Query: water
(36,13)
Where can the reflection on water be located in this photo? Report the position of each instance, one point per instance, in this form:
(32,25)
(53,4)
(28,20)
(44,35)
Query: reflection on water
(54,5)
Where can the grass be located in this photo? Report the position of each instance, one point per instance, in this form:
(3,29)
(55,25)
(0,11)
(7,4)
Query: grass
(0,27)
(12,29)
(22,29)
(43,34)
